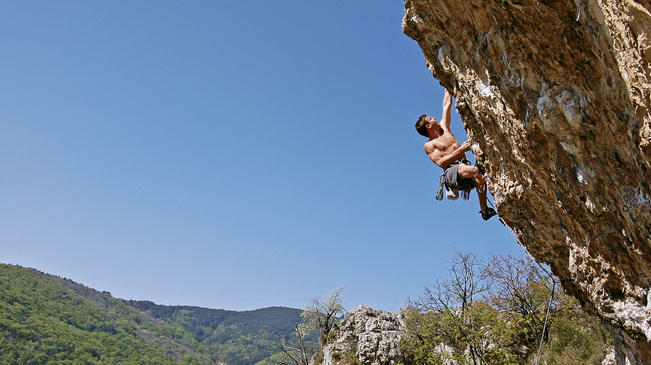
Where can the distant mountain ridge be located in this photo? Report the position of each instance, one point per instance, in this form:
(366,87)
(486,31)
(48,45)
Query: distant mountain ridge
(47,318)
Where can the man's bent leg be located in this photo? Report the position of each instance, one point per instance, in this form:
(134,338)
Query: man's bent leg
(467,172)
(486,213)
(481,194)
(472,172)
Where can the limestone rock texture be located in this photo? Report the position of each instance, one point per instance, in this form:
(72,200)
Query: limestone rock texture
(370,336)
(560,110)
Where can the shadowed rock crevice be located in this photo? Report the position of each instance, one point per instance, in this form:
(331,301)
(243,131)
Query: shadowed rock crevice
(560,109)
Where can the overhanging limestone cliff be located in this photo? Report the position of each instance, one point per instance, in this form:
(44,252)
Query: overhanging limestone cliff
(561,110)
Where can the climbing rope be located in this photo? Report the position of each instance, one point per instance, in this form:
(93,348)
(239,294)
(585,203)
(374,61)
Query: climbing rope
(488,199)
(542,335)
(549,304)
(578,11)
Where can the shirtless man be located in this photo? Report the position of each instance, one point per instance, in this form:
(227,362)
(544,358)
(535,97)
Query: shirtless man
(445,151)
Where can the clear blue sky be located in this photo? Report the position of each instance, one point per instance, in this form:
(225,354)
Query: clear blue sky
(229,155)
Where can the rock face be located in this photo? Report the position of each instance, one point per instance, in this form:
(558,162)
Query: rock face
(369,336)
(560,109)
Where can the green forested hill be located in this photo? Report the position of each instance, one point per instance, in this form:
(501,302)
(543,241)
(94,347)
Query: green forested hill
(256,332)
(235,338)
(47,319)
(43,321)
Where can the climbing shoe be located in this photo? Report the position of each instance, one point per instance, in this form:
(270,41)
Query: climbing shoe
(488,214)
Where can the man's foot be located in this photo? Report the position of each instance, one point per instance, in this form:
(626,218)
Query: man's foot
(488,213)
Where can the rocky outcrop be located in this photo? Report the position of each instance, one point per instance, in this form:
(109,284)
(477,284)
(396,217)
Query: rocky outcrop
(560,109)
(369,336)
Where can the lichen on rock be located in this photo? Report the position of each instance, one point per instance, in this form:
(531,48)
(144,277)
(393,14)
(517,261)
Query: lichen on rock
(561,110)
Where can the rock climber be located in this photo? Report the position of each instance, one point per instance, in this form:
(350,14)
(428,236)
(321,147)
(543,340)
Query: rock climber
(445,151)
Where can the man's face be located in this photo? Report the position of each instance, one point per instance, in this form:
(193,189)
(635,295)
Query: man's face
(433,126)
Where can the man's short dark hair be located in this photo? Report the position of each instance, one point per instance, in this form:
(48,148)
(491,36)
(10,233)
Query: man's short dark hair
(421,125)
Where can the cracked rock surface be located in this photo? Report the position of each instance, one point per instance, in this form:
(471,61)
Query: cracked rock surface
(369,335)
(560,109)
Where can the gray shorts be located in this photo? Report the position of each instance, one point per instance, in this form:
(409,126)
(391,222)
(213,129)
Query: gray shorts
(452,181)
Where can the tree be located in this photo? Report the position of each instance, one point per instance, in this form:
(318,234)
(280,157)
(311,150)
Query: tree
(521,290)
(464,323)
(296,355)
(529,297)
(321,315)
(466,320)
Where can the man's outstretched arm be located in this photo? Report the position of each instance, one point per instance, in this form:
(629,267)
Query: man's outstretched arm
(447,107)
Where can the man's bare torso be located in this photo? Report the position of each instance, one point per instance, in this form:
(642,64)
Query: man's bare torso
(442,146)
